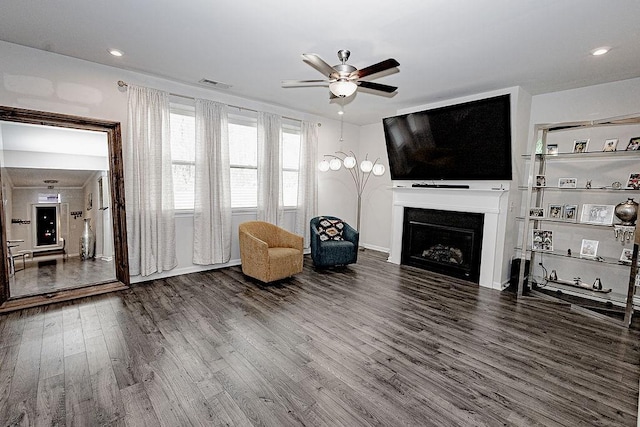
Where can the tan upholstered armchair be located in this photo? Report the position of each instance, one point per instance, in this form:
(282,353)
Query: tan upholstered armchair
(268,252)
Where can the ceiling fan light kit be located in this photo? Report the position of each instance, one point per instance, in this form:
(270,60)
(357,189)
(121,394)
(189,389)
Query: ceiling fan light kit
(343,88)
(344,79)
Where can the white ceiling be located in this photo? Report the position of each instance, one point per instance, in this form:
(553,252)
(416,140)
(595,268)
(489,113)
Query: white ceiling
(446,48)
(33,178)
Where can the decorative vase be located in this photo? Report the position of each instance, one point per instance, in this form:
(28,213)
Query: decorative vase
(627,212)
(87,241)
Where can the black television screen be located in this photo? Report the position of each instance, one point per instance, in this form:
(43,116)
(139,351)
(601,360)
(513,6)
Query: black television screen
(469,141)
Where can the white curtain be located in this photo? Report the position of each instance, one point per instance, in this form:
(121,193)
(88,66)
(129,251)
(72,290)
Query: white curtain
(212,211)
(270,205)
(307,180)
(148,183)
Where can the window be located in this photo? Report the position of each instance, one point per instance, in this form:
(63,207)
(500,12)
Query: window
(243,158)
(290,164)
(183,157)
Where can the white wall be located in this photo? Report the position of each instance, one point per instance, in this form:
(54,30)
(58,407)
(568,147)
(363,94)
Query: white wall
(39,80)
(377,196)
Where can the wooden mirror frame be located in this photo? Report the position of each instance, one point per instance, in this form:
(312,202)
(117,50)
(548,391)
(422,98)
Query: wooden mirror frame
(116,173)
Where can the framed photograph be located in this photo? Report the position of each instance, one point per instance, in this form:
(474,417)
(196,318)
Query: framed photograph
(597,214)
(634,144)
(570,212)
(555,211)
(552,149)
(610,145)
(541,181)
(536,213)
(634,180)
(90,201)
(542,240)
(567,182)
(580,145)
(626,255)
(589,248)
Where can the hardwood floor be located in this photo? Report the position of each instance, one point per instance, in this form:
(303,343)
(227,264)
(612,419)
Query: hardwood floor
(370,344)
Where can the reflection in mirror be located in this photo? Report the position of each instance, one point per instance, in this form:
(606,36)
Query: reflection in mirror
(55,188)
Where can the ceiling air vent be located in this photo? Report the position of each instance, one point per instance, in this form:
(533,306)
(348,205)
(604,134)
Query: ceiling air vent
(213,83)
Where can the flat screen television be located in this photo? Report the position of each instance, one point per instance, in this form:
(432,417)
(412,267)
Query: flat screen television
(469,141)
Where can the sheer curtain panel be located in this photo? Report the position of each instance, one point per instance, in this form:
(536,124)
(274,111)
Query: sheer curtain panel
(307,180)
(212,210)
(148,183)
(270,168)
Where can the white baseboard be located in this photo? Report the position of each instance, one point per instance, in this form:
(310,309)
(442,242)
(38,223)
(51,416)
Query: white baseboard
(375,248)
(184,270)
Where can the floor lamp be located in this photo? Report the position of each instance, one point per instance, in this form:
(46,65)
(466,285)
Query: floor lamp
(360,174)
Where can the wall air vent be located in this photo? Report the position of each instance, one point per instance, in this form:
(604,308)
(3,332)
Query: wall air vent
(213,83)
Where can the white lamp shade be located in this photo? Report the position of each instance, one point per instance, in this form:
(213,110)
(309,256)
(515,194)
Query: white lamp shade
(335,164)
(343,88)
(323,166)
(378,169)
(366,166)
(349,162)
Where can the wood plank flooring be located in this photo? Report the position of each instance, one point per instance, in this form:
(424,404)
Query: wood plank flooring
(370,344)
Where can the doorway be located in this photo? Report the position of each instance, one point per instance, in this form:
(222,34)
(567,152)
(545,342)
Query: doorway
(46,225)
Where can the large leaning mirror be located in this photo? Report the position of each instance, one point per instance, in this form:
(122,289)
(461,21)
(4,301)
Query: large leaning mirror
(62,216)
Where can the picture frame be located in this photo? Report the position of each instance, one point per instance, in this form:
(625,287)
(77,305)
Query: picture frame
(634,144)
(536,213)
(568,183)
(570,213)
(610,144)
(90,201)
(580,145)
(541,181)
(552,149)
(634,180)
(626,255)
(589,248)
(597,214)
(555,211)
(542,240)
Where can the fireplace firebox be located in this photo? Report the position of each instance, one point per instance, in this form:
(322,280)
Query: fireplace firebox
(443,241)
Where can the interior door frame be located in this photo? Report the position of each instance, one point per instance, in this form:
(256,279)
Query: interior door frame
(116,173)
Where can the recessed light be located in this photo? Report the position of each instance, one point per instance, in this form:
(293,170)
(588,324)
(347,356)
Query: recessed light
(600,51)
(341,112)
(116,52)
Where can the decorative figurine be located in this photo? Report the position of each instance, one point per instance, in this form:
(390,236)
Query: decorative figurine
(568,252)
(588,186)
(553,275)
(597,284)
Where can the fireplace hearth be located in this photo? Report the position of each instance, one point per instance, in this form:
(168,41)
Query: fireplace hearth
(443,241)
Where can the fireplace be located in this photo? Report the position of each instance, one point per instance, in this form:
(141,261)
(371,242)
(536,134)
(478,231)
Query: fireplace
(446,242)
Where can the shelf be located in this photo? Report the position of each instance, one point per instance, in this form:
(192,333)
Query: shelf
(592,189)
(613,297)
(586,286)
(600,260)
(591,155)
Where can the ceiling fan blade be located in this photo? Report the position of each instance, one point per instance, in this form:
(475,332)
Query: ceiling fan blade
(318,63)
(376,68)
(377,86)
(301,82)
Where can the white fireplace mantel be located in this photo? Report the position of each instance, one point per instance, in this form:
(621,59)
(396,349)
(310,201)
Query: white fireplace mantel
(488,201)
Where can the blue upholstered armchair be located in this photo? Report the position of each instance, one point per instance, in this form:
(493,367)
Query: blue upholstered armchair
(333,242)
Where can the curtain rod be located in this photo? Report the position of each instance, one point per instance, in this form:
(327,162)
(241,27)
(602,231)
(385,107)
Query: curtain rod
(122,83)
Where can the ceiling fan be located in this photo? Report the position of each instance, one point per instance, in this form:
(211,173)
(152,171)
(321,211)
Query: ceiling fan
(343,78)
